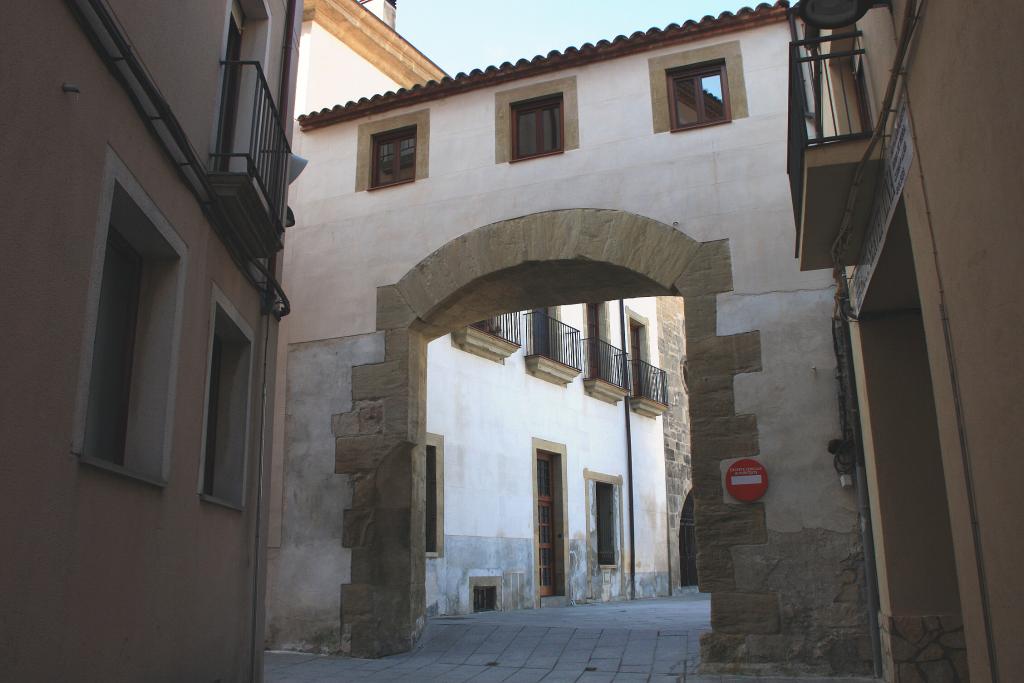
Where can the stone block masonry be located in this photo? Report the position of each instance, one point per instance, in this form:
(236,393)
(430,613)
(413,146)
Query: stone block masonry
(675,421)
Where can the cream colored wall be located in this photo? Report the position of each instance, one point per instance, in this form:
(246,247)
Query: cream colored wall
(713,183)
(917,574)
(106,577)
(182,46)
(331,73)
(963,202)
(721,182)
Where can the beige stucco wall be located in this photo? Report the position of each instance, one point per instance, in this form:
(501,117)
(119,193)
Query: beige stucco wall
(963,206)
(342,74)
(917,575)
(109,578)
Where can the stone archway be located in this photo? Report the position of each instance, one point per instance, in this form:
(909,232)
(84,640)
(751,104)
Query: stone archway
(549,258)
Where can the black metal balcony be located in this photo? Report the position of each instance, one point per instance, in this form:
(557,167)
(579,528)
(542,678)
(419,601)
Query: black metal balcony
(649,382)
(551,338)
(504,326)
(249,169)
(827,101)
(606,362)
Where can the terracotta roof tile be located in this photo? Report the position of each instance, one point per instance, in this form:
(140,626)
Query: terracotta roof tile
(555,60)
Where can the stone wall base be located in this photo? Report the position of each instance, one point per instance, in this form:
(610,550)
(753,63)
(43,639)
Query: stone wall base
(923,649)
(821,622)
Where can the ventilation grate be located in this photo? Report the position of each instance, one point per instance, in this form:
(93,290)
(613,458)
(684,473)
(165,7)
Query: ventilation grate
(484,598)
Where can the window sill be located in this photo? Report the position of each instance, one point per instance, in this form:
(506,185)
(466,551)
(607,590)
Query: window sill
(694,126)
(536,156)
(608,566)
(213,500)
(433,556)
(122,471)
(374,188)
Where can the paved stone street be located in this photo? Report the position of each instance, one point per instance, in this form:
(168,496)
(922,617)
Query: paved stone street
(646,640)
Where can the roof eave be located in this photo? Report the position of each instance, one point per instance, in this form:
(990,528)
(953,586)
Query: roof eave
(727,22)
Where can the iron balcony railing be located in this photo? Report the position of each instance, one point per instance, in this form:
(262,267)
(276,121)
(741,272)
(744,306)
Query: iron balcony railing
(827,99)
(505,326)
(606,362)
(251,137)
(551,338)
(649,382)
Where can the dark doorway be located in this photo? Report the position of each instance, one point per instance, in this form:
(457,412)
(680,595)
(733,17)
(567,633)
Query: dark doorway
(230,94)
(687,544)
(593,334)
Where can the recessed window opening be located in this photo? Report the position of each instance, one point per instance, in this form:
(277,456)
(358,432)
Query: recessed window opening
(698,96)
(431,500)
(394,157)
(113,351)
(537,128)
(227,411)
(485,598)
(605,513)
(128,385)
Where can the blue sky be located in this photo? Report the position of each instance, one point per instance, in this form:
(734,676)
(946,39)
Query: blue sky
(461,35)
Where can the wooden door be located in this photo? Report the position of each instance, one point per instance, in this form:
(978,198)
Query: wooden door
(593,335)
(635,335)
(545,527)
(541,333)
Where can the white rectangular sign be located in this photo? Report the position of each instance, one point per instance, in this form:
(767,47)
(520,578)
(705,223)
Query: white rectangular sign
(899,156)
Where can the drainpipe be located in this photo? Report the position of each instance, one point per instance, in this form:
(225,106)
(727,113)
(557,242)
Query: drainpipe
(282,99)
(629,455)
(257,538)
(287,50)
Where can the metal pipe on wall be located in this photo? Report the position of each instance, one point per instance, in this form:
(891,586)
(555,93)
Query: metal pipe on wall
(255,637)
(629,455)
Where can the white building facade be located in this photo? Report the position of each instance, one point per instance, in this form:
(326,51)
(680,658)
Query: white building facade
(533,485)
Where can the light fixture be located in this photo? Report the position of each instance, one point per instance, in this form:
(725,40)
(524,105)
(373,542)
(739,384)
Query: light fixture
(833,13)
(296,165)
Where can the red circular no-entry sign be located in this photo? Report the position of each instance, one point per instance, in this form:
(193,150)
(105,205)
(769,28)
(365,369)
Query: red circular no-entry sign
(746,480)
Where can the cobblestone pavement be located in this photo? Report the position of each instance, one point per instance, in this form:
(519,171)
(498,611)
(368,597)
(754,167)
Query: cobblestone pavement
(647,640)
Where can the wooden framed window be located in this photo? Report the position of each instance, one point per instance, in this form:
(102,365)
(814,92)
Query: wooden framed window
(545,525)
(605,522)
(394,158)
(537,128)
(433,525)
(698,96)
(430,523)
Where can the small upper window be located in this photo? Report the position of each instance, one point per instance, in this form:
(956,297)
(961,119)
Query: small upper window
(537,128)
(394,157)
(698,96)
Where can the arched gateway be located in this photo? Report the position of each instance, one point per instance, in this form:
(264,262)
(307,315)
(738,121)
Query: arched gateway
(543,259)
